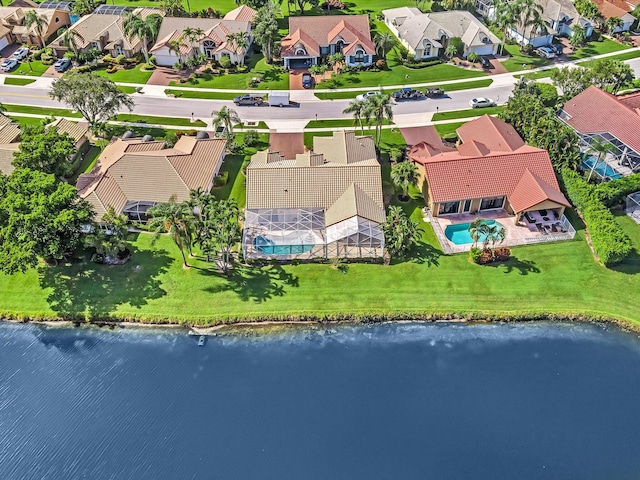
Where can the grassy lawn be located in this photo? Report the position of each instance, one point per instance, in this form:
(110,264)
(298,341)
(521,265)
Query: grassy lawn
(127,90)
(536,75)
(520,61)
(89,160)
(22,121)
(598,47)
(118,131)
(196,94)
(180,122)
(275,78)
(131,75)
(260,126)
(447,87)
(621,57)
(445,129)
(18,81)
(60,112)
(471,112)
(37,69)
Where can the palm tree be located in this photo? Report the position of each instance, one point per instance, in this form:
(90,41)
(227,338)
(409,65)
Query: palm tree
(492,234)
(225,116)
(192,35)
(240,43)
(612,23)
(505,19)
(38,21)
(404,174)
(384,42)
(600,149)
(145,28)
(475,230)
(70,40)
(378,107)
(451,51)
(176,219)
(174,46)
(356,108)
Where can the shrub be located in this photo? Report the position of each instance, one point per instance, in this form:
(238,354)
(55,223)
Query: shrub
(474,254)
(614,192)
(225,62)
(208,71)
(423,64)
(84,68)
(251,138)
(548,94)
(451,138)
(109,59)
(502,254)
(221,180)
(70,55)
(111,69)
(473,57)
(148,66)
(609,241)
(37,55)
(121,59)
(381,63)
(192,133)
(527,49)
(179,133)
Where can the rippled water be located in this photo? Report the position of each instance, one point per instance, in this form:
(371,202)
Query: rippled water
(398,401)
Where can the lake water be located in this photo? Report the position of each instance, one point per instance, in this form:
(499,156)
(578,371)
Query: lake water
(397,401)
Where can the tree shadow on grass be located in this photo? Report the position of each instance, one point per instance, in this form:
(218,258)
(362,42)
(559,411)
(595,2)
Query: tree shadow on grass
(422,253)
(252,283)
(93,292)
(630,265)
(523,267)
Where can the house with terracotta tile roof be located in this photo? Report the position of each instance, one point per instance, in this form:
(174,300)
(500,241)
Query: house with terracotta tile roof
(617,9)
(212,43)
(427,35)
(14,30)
(312,38)
(324,203)
(133,174)
(492,169)
(595,113)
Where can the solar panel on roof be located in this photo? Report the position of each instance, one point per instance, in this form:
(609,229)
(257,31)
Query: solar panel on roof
(110,10)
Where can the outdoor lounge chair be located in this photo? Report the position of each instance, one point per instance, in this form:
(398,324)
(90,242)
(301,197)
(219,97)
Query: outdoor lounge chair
(529,217)
(540,229)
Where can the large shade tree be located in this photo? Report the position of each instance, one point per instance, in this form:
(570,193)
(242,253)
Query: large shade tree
(144,28)
(266,32)
(95,97)
(45,150)
(40,217)
(111,240)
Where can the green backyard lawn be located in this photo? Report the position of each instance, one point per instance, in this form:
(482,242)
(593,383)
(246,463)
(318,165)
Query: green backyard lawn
(130,75)
(598,47)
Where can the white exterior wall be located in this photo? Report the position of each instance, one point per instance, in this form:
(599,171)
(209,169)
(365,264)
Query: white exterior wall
(535,41)
(491,49)
(165,58)
(4,41)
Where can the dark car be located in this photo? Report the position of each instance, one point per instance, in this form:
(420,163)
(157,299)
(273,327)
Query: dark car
(484,61)
(307,80)
(248,100)
(557,48)
(407,94)
(62,65)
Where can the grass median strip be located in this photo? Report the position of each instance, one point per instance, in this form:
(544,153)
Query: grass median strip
(59,112)
(196,94)
(471,112)
(447,87)
(18,81)
(174,121)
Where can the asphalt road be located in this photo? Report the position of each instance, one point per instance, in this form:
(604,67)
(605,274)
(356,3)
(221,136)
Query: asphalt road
(160,106)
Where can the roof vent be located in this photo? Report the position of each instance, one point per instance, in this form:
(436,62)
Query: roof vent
(127,134)
(147,138)
(202,134)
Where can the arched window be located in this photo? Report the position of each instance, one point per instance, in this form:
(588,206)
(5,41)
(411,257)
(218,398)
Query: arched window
(209,46)
(359,56)
(427,48)
(300,51)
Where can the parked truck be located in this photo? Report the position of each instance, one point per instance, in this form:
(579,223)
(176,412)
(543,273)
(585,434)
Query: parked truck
(253,100)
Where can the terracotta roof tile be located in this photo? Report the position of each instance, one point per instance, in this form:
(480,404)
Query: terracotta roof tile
(242,13)
(613,8)
(492,132)
(531,190)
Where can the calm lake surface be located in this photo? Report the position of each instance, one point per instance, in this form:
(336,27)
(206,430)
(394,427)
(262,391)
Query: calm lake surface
(396,401)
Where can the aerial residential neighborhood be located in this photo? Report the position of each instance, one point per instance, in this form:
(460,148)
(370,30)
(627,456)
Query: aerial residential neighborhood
(409,138)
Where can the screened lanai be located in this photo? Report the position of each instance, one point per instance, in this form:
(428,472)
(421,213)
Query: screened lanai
(633,206)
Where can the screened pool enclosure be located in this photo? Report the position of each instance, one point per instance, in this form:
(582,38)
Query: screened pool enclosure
(300,233)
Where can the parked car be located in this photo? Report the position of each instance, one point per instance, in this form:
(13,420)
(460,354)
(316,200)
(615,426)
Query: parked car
(434,92)
(249,100)
(9,64)
(546,52)
(307,80)
(364,96)
(557,48)
(484,61)
(481,102)
(62,65)
(21,53)
(407,94)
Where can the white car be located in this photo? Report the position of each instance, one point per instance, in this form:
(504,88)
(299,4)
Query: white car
(546,52)
(481,102)
(21,53)
(364,96)
(9,64)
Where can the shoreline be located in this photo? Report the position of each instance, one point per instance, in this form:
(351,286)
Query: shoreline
(249,324)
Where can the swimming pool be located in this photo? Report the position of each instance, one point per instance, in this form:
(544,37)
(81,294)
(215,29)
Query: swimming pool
(459,233)
(268,247)
(603,169)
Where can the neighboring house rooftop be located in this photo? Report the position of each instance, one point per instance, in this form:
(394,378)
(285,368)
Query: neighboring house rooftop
(491,162)
(613,8)
(596,111)
(414,27)
(242,14)
(13,17)
(138,170)
(321,31)
(76,130)
(341,175)
(6,157)
(214,29)
(9,131)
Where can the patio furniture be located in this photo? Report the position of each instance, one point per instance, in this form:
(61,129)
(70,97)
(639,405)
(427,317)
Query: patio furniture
(530,217)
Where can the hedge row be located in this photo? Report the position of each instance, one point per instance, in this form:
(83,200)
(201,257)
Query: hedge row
(423,64)
(615,192)
(609,241)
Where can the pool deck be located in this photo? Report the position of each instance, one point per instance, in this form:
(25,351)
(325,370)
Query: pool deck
(521,234)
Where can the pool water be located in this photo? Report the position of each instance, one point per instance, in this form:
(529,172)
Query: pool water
(603,169)
(268,247)
(459,233)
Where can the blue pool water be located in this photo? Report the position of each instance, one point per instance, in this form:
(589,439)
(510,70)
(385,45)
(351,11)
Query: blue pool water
(602,169)
(268,247)
(459,233)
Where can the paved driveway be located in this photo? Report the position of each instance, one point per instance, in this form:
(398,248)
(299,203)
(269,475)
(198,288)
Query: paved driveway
(164,75)
(295,79)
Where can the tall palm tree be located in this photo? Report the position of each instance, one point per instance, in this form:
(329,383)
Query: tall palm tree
(377,108)
(39,21)
(70,40)
(505,18)
(404,174)
(384,42)
(225,116)
(174,46)
(492,234)
(612,23)
(356,108)
(475,230)
(176,219)
(240,43)
(192,35)
(144,28)
(600,149)
(529,14)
